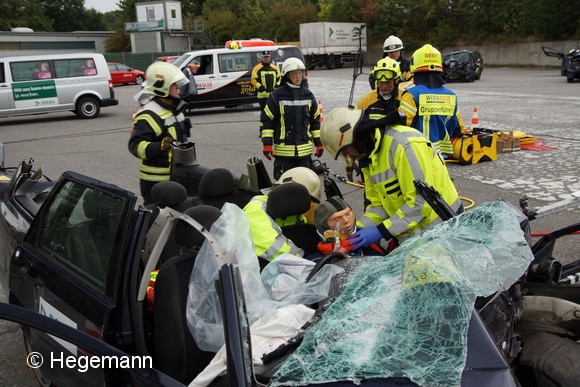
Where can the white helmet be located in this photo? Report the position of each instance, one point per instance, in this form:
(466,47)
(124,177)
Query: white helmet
(160,76)
(292,64)
(392,43)
(305,176)
(338,129)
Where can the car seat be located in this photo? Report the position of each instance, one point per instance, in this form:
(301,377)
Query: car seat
(217,186)
(292,199)
(176,353)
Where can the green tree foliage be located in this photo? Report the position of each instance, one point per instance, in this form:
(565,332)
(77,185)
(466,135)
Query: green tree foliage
(23,13)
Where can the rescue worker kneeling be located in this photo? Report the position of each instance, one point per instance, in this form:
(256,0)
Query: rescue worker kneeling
(398,155)
(292,201)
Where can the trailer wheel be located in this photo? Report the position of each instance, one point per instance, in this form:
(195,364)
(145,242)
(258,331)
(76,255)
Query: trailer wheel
(331,62)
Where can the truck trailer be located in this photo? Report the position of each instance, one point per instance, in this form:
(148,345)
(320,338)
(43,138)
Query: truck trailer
(332,44)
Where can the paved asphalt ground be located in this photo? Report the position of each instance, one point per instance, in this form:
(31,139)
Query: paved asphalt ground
(538,102)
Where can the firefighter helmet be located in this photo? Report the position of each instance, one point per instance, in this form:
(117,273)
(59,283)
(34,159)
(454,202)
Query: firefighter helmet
(386,69)
(426,58)
(305,176)
(392,43)
(292,64)
(339,129)
(161,75)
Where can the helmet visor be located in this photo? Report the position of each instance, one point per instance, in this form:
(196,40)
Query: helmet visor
(383,76)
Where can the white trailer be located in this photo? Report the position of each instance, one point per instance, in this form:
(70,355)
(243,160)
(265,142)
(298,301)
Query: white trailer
(332,44)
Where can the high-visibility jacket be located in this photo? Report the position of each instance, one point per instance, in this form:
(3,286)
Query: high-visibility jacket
(290,122)
(269,242)
(152,123)
(265,78)
(402,155)
(376,107)
(432,111)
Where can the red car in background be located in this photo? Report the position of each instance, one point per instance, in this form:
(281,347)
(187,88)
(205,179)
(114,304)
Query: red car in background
(122,74)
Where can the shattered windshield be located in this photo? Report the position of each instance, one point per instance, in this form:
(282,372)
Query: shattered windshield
(407,314)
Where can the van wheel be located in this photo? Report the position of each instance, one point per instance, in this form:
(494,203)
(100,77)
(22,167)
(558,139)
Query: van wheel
(88,107)
(37,372)
(139,80)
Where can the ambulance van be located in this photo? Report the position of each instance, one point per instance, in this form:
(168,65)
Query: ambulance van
(78,82)
(222,75)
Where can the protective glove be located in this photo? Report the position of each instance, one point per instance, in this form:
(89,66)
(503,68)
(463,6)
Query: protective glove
(261,88)
(364,237)
(319,151)
(268,151)
(166,144)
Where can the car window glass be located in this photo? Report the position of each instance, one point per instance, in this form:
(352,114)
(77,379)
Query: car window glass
(236,61)
(201,65)
(82,231)
(112,67)
(2,74)
(123,68)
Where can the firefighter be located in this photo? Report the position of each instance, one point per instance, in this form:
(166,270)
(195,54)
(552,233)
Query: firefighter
(428,105)
(398,155)
(265,78)
(290,122)
(159,122)
(393,48)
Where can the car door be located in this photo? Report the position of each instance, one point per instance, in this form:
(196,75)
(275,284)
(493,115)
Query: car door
(67,269)
(6,98)
(116,74)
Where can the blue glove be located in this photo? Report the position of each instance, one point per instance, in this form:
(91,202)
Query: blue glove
(364,236)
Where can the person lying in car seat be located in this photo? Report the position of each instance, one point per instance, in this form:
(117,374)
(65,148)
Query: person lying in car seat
(335,221)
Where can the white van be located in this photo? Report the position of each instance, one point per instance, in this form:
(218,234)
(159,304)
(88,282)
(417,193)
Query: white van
(222,75)
(78,82)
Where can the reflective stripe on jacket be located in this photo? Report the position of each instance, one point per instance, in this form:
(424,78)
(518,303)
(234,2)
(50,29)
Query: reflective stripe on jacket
(291,122)
(402,155)
(266,75)
(269,242)
(151,124)
(432,111)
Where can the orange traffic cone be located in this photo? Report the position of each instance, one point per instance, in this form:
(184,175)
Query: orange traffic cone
(474,119)
(321,111)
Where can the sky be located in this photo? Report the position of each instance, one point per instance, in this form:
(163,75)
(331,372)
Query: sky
(102,5)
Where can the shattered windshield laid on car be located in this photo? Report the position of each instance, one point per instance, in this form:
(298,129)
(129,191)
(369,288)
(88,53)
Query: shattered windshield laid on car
(407,314)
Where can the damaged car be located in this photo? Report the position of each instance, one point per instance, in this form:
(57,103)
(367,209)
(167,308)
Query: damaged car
(463,65)
(567,59)
(445,307)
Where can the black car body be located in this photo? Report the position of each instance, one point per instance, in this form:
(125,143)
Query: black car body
(573,69)
(565,58)
(86,259)
(464,65)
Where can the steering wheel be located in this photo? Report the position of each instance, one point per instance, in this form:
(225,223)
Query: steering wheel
(326,259)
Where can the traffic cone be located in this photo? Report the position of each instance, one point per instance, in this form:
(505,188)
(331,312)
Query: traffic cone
(321,111)
(474,119)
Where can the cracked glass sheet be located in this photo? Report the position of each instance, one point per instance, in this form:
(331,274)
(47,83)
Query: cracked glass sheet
(407,314)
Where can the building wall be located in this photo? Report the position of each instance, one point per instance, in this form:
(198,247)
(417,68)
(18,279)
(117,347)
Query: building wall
(34,43)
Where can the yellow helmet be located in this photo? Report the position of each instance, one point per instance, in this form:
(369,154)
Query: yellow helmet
(426,58)
(305,176)
(338,129)
(386,69)
(160,76)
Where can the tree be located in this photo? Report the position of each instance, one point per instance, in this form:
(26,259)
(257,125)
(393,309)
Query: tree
(23,13)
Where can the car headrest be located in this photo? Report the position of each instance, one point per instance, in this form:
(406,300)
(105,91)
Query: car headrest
(288,199)
(186,235)
(168,193)
(216,182)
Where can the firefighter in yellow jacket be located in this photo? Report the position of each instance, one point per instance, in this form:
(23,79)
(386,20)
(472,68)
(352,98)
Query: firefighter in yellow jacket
(159,122)
(398,155)
(265,78)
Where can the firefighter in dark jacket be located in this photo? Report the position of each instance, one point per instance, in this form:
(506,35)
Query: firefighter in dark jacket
(290,122)
(159,122)
(265,78)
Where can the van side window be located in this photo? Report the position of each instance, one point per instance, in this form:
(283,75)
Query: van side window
(82,231)
(201,65)
(2,73)
(236,61)
(66,68)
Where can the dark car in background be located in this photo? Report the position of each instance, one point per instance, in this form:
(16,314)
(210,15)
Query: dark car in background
(566,59)
(122,74)
(573,70)
(464,65)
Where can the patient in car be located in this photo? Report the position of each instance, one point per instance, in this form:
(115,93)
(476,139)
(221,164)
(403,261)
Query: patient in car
(335,221)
